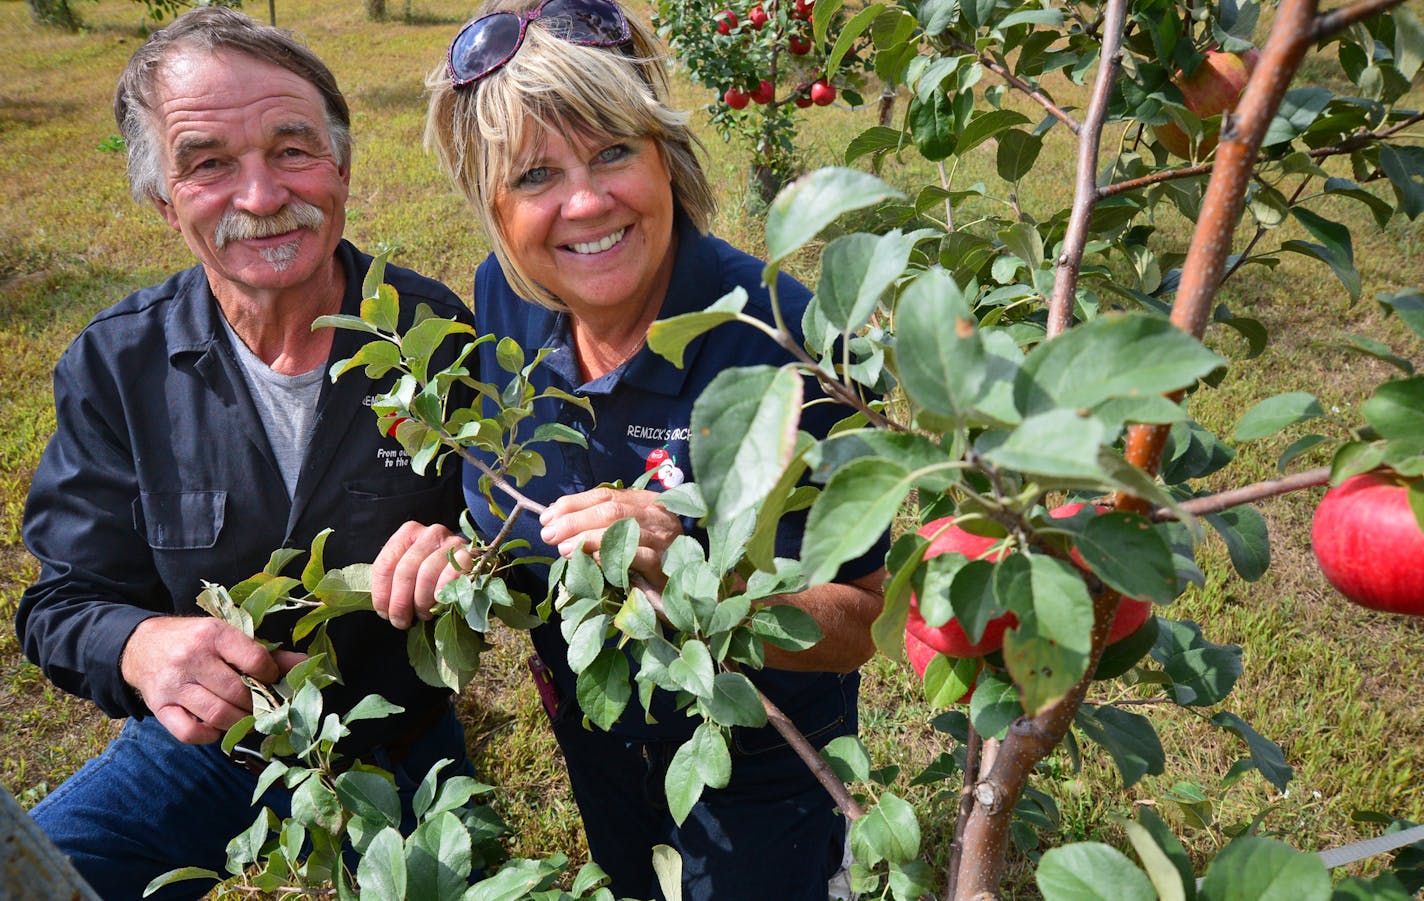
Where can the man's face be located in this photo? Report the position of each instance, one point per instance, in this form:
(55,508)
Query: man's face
(253,182)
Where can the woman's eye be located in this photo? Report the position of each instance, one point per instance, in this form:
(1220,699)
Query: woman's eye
(610,154)
(534,177)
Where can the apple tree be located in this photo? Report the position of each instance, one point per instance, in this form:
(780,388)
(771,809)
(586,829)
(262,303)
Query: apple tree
(765,60)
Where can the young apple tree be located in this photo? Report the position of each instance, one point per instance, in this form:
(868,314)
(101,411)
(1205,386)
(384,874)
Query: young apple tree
(765,60)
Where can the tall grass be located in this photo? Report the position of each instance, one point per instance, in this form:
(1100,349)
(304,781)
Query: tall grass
(1334,684)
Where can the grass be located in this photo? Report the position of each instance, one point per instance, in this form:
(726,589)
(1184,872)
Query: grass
(1335,685)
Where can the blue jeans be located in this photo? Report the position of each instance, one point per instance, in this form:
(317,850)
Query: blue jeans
(150,804)
(773,832)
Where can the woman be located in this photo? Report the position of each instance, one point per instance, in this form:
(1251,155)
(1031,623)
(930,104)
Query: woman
(551,119)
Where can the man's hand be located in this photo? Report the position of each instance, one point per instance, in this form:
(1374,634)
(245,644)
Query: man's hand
(414,564)
(187,671)
(579,521)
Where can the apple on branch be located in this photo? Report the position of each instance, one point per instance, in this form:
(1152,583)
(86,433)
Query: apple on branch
(1369,544)
(950,638)
(757,17)
(1212,89)
(763,92)
(726,21)
(736,98)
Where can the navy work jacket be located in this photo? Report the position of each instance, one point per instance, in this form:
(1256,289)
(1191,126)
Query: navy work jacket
(643,411)
(159,477)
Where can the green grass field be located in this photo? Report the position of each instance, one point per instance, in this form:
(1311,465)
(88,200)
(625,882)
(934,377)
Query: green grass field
(1334,684)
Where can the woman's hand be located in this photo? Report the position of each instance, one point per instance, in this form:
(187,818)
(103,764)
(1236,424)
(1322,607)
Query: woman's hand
(579,521)
(411,568)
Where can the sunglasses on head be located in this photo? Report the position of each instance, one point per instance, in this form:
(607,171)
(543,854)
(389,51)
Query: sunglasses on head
(490,41)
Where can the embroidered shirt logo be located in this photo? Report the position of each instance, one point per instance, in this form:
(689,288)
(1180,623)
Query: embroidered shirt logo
(665,465)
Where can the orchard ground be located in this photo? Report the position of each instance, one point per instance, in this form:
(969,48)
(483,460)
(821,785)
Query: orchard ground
(1334,684)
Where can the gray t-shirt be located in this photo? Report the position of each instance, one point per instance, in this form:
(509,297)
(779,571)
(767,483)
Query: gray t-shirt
(286,403)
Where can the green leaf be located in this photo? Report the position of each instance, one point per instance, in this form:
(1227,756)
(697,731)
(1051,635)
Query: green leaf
(438,859)
(1264,869)
(866,492)
(1247,539)
(1372,348)
(701,761)
(379,358)
(602,688)
(1055,444)
(1128,737)
(1018,151)
(381,872)
(1119,355)
(744,435)
(736,702)
(1265,754)
(889,831)
(848,758)
(1127,553)
(1408,305)
(179,875)
(1335,250)
(995,705)
(875,139)
(941,356)
(380,303)
(667,865)
(947,680)
(693,670)
(1405,168)
(1178,884)
(1380,208)
(812,202)
(245,847)
(856,270)
(669,337)
(786,626)
(932,125)
(1397,408)
(616,551)
(847,34)
(316,806)
(418,344)
(1079,872)
(1275,413)
(1202,673)
(1048,653)
(985,126)
(1298,110)
(370,796)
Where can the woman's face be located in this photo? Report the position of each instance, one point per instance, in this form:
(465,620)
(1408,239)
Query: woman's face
(591,220)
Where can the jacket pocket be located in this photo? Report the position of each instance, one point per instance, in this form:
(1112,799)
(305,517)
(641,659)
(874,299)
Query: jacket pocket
(180,520)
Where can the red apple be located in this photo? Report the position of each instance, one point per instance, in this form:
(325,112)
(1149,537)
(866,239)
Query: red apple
(1212,89)
(757,17)
(822,93)
(798,45)
(763,92)
(736,99)
(950,639)
(726,21)
(802,9)
(1369,544)
(803,99)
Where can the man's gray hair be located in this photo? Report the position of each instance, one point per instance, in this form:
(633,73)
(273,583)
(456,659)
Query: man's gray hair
(212,29)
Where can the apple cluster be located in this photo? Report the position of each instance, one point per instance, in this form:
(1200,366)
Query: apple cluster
(798,43)
(923,641)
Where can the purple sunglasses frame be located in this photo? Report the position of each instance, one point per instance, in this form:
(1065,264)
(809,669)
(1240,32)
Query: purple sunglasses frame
(524,19)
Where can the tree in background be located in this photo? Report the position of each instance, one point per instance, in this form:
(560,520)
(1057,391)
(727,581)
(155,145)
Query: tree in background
(764,60)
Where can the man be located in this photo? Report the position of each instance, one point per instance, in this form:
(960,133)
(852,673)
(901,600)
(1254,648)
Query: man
(196,433)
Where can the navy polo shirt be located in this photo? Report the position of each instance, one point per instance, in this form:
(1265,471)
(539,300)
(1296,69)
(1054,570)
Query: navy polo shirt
(643,411)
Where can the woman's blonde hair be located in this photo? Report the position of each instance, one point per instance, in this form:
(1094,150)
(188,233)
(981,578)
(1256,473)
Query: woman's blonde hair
(478,132)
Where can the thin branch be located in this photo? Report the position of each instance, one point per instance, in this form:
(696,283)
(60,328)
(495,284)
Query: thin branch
(1327,24)
(1246,494)
(1070,261)
(1349,145)
(813,760)
(1034,93)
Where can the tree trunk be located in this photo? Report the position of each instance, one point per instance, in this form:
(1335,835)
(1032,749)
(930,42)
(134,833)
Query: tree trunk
(376,10)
